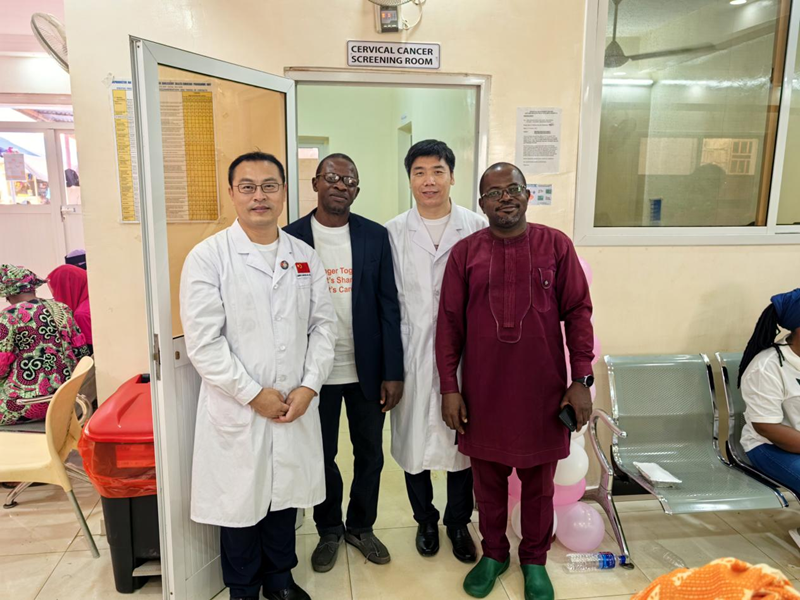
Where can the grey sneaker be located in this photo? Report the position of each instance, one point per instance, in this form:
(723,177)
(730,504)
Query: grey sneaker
(370,546)
(324,556)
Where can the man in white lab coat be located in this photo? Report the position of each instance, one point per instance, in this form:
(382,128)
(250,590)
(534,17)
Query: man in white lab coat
(259,329)
(421,240)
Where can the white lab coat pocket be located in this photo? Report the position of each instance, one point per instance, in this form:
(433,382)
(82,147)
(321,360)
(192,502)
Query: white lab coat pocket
(226,413)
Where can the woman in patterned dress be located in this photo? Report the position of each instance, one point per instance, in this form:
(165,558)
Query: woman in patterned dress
(40,344)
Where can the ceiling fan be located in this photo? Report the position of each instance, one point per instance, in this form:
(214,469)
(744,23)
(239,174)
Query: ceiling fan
(615,56)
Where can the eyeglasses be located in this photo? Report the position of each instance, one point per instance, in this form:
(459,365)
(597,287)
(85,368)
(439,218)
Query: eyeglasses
(335,177)
(267,188)
(512,190)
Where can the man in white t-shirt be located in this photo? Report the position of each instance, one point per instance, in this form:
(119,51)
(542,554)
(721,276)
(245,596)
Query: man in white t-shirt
(769,378)
(368,363)
(421,441)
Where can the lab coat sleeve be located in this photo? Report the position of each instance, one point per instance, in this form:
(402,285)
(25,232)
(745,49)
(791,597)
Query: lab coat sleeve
(390,316)
(451,327)
(321,330)
(203,317)
(574,306)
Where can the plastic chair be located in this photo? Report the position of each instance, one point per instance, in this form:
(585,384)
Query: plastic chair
(729,364)
(34,458)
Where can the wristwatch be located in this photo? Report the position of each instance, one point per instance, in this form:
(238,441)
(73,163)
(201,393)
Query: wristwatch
(586,382)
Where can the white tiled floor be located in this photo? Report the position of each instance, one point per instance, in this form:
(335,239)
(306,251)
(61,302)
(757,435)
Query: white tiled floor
(43,556)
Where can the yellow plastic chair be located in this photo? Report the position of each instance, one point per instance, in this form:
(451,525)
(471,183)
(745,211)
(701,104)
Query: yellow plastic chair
(27,457)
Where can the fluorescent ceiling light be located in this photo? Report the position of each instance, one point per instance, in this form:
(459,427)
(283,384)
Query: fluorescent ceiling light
(738,2)
(638,82)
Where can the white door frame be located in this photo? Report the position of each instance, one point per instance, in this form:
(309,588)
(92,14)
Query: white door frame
(171,470)
(414,79)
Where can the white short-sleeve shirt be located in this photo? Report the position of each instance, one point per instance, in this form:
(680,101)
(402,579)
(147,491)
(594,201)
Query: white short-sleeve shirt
(771,392)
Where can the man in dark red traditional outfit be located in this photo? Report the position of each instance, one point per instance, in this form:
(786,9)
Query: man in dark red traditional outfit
(505,292)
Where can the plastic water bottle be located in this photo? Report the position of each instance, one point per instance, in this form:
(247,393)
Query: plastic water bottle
(593,561)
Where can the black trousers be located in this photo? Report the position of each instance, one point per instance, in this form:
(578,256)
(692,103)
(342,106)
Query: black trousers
(459,498)
(366,433)
(260,555)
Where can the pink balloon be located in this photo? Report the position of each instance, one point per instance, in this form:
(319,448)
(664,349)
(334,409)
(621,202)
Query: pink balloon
(569,494)
(514,486)
(593,392)
(587,270)
(580,527)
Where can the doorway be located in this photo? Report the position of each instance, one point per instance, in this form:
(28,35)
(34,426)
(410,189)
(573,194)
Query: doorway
(375,118)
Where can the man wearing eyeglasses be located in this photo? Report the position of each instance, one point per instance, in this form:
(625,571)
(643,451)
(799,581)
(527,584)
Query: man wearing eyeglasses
(505,291)
(259,327)
(368,365)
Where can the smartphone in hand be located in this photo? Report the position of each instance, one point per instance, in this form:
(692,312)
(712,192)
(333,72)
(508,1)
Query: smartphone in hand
(568,418)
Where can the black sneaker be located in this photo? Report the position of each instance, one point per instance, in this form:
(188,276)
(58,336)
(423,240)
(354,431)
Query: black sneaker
(370,546)
(295,592)
(324,556)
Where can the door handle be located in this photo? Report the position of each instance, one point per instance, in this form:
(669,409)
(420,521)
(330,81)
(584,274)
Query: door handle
(68,210)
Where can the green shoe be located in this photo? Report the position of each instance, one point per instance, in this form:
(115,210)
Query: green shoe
(480,580)
(537,583)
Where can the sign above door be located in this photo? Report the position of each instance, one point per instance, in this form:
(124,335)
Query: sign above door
(392,55)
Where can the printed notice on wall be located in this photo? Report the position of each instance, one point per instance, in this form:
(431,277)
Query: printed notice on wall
(187,137)
(538,140)
(404,55)
(541,194)
(14,166)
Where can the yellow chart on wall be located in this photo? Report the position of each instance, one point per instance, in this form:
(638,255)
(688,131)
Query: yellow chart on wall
(189,148)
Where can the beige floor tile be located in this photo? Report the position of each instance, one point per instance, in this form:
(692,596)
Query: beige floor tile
(768,531)
(22,576)
(94,520)
(409,575)
(641,504)
(80,577)
(696,539)
(43,521)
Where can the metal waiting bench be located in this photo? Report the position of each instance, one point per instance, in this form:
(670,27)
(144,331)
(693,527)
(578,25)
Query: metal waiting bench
(664,411)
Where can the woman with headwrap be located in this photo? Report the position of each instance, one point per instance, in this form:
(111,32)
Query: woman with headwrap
(69,286)
(769,377)
(40,344)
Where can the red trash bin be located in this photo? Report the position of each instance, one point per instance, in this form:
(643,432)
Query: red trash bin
(119,458)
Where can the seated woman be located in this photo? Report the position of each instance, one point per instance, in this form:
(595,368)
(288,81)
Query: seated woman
(70,286)
(40,344)
(769,377)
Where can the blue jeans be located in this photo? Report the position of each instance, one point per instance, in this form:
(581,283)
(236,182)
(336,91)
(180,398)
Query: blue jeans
(782,466)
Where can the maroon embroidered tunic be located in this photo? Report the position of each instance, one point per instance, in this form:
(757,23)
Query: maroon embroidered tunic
(500,313)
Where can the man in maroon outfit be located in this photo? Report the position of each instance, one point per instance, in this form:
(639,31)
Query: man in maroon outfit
(505,292)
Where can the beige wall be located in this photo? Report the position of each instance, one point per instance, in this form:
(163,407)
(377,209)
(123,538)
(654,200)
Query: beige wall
(682,299)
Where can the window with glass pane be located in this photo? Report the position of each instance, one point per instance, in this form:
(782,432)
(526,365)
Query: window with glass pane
(689,112)
(69,158)
(23,169)
(789,207)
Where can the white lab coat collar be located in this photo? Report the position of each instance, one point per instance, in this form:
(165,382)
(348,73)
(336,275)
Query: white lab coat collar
(452,233)
(244,245)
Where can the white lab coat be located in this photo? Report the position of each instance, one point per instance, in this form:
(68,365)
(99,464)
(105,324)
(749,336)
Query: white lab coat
(420,439)
(249,325)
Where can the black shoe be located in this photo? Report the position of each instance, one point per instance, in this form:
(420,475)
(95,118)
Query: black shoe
(324,556)
(370,546)
(463,546)
(295,592)
(428,539)
(243,598)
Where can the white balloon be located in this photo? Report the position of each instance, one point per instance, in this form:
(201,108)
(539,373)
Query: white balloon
(581,441)
(555,522)
(577,434)
(573,468)
(516,520)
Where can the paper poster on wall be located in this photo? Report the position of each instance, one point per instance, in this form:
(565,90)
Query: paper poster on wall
(189,146)
(14,166)
(541,194)
(538,140)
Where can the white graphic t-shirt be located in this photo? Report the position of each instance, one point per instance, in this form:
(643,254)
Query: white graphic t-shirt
(333,246)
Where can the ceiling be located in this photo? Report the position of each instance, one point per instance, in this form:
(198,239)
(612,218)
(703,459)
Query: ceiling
(15,25)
